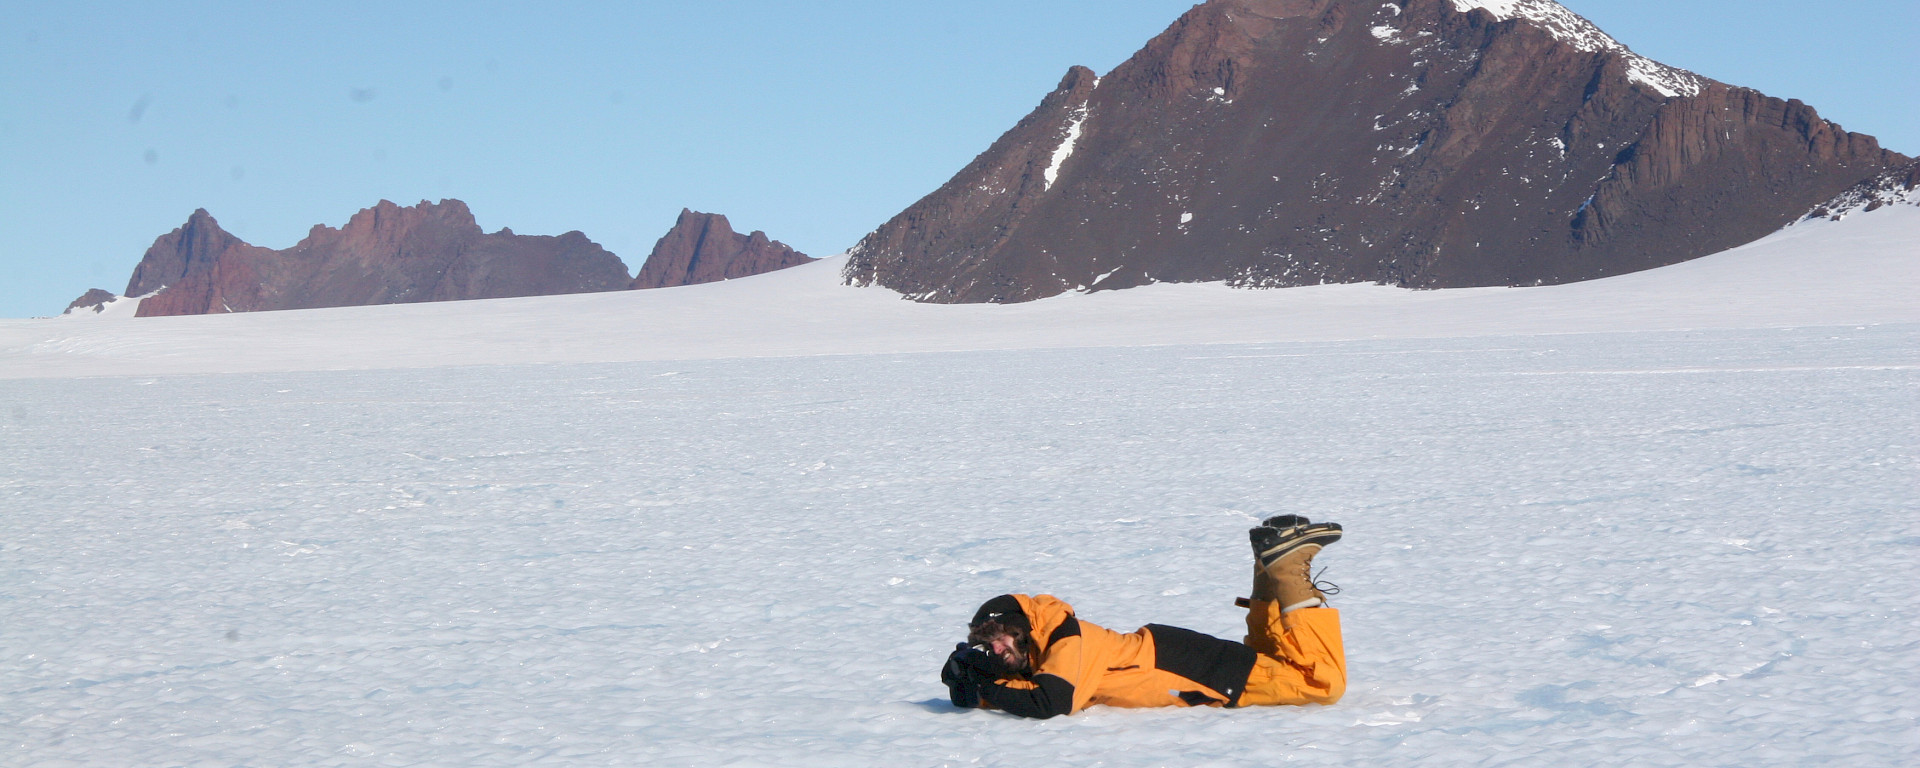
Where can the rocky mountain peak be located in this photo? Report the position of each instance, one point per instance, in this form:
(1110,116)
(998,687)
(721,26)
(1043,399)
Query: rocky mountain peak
(199,241)
(703,248)
(387,223)
(1424,143)
(1575,30)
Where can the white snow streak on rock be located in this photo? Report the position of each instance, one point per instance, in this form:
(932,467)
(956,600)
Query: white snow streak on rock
(1065,150)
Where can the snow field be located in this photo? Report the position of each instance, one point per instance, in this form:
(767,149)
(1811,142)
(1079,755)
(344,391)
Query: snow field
(1658,548)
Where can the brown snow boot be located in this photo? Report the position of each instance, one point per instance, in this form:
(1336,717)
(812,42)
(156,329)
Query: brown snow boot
(1285,555)
(1272,543)
(1293,580)
(1265,588)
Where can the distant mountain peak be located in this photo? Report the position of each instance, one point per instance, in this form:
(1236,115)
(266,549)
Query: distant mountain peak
(385,254)
(199,241)
(95,299)
(703,248)
(388,253)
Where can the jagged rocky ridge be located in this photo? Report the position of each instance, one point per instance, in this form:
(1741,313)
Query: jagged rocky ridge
(387,254)
(703,248)
(1425,143)
(95,299)
(391,254)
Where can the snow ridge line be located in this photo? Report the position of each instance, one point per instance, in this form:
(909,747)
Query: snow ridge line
(1767,369)
(1575,30)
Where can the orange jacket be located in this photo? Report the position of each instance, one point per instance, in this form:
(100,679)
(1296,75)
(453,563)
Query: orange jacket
(1077,664)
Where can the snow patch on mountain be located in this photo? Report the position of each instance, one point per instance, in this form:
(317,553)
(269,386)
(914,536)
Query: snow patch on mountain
(1900,186)
(1664,80)
(1065,150)
(118,307)
(1575,30)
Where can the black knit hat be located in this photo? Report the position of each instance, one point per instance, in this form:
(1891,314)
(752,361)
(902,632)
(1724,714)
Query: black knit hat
(1004,609)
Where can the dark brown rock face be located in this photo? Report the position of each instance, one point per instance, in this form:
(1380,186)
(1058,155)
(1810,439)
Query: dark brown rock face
(386,254)
(94,299)
(703,248)
(1295,142)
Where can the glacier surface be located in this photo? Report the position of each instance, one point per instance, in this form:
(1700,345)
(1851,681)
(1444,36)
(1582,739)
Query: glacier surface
(1658,548)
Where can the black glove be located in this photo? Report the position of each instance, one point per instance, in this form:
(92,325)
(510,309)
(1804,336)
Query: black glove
(963,673)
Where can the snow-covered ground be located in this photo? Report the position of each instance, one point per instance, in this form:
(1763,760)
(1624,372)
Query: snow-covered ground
(1644,546)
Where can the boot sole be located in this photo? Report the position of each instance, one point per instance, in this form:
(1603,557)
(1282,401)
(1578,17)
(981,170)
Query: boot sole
(1293,539)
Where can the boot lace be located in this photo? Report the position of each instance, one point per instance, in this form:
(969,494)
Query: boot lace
(1325,587)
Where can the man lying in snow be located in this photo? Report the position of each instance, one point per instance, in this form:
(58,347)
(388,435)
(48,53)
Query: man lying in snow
(1030,656)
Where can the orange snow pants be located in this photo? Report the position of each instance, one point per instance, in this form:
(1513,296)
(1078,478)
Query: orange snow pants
(1302,660)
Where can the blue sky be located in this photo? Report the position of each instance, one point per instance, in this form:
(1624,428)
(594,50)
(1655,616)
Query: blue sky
(812,121)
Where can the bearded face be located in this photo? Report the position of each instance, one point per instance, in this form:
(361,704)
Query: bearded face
(1007,645)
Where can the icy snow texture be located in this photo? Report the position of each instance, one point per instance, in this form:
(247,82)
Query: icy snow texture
(1652,548)
(1571,28)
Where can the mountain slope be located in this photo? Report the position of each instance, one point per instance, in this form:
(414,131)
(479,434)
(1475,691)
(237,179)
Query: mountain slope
(1435,143)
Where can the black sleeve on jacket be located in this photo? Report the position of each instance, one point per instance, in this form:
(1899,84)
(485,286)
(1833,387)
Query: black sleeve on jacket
(1068,628)
(1050,696)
